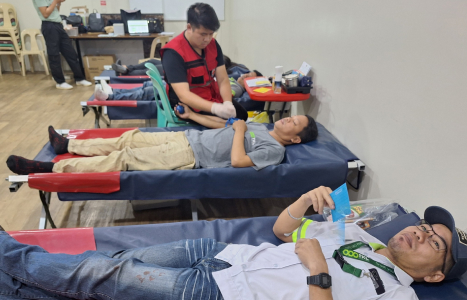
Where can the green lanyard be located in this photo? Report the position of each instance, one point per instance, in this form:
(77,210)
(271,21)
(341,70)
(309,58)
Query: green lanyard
(347,251)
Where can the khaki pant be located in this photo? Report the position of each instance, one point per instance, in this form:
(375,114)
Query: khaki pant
(133,150)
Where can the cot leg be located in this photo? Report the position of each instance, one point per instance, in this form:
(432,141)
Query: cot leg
(268,111)
(45,214)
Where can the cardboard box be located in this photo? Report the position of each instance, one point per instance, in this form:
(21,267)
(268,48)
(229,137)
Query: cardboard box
(94,65)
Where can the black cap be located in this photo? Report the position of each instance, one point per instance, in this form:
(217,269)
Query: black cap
(439,215)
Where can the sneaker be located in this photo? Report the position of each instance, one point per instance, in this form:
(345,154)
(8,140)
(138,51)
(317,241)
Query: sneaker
(83,83)
(63,86)
(106,88)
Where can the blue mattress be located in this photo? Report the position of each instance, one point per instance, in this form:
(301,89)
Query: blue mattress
(255,231)
(305,166)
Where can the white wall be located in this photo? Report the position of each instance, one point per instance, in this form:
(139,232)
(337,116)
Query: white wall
(389,80)
(390,83)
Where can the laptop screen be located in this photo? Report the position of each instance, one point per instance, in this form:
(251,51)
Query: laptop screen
(138,26)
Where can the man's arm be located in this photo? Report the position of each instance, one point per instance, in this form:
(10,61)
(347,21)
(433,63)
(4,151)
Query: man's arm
(223,83)
(207,121)
(285,224)
(311,255)
(47,10)
(182,89)
(238,156)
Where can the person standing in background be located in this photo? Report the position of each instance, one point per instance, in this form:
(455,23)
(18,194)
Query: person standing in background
(57,41)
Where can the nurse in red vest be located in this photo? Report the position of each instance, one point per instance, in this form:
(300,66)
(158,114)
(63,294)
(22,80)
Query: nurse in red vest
(194,67)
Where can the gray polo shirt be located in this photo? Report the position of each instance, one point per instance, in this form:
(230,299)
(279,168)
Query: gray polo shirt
(212,148)
(54,16)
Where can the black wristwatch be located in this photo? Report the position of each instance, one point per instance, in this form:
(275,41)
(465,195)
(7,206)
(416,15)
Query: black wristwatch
(323,280)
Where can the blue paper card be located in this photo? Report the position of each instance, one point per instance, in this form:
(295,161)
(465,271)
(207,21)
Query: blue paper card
(340,196)
(342,203)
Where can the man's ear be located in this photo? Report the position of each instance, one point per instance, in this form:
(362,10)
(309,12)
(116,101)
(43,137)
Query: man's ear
(438,276)
(188,26)
(296,140)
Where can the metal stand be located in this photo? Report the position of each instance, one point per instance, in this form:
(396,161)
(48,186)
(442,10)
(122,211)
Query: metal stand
(355,173)
(45,213)
(98,115)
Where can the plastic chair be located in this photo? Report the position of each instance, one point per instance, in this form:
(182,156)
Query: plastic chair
(158,40)
(10,32)
(34,34)
(165,115)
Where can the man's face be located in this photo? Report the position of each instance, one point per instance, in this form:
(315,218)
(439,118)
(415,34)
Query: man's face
(289,128)
(412,251)
(241,79)
(199,38)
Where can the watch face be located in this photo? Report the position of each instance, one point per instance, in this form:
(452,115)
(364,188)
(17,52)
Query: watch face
(325,280)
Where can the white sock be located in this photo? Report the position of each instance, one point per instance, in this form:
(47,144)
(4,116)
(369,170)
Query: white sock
(100,95)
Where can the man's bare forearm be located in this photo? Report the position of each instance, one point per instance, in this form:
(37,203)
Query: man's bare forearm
(238,157)
(207,121)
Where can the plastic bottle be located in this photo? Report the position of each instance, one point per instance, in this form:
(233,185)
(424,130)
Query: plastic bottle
(277,86)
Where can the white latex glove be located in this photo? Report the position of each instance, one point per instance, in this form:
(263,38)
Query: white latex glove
(224,111)
(231,108)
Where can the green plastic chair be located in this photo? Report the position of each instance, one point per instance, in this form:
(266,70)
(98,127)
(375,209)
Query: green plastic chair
(165,115)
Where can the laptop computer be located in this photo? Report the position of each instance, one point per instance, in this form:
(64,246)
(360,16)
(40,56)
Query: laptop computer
(138,27)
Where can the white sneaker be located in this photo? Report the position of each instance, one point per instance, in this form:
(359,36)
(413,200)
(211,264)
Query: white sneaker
(63,86)
(83,83)
(106,88)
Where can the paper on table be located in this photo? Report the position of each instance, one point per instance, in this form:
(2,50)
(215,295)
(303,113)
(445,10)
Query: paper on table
(262,90)
(260,81)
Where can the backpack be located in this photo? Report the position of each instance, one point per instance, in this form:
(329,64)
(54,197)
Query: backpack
(96,22)
(74,20)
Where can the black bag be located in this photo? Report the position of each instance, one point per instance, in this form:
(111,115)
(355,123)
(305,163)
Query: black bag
(129,15)
(155,26)
(74,20)
(96,22)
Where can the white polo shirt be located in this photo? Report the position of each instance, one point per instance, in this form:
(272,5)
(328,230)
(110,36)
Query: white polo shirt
(275,272)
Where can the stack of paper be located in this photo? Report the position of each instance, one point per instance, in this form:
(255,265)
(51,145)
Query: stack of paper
(257,82)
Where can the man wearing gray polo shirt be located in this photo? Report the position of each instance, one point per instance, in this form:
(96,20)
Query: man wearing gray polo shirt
(240,145)
(57,41)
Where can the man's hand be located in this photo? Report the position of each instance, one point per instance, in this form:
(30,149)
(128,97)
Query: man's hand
(240,126)
(223,111)
(319,198)
(310,254)
(186,114)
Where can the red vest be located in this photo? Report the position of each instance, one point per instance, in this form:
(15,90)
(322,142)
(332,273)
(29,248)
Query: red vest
(200,72)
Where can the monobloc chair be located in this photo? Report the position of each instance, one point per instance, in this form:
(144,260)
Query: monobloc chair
(34,35)
(158,40)
(165,115)
(10,43)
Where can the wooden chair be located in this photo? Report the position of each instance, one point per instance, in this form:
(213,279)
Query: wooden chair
(34,35)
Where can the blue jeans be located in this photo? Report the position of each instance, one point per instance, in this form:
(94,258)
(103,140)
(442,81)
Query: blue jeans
(173,271)
(146,92)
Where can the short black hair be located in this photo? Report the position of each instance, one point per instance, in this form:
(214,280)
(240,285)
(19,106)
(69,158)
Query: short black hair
(202,14)
(258,73)
(310,132)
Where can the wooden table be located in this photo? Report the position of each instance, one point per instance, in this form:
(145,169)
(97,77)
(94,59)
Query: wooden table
(270,96)
(147,40)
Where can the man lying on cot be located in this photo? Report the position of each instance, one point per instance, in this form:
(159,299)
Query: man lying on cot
(206,269)
(240,145)
(146,92)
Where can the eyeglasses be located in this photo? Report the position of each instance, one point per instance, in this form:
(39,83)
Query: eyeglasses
(435,240)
